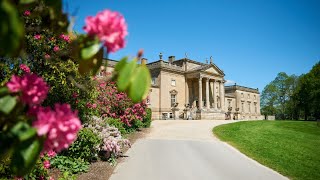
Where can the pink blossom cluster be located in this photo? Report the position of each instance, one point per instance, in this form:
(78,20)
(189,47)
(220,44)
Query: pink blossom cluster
(47,56)
(65,37)
(37,36)
(24,68)
(110,27)
(27,13)
(46,164)
(91,106)
(115,104)
(111,145)
(56,48)
(32,87)
(111,137)
(60,126)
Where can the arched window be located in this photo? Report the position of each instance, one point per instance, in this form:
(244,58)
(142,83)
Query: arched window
(173,97)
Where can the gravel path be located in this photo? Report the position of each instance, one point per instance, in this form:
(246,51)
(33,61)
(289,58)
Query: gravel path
(187,150)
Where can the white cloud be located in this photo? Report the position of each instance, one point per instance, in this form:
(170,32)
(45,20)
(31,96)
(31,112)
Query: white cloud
(229,82)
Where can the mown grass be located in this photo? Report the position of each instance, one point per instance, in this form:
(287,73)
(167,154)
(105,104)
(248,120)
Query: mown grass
(290,147)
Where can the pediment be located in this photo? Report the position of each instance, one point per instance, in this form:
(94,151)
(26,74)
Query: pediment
(213,69)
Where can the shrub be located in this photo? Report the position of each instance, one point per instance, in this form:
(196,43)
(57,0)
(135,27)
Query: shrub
(83,147)
(116,104)
(112,141)
(69,164)
(117,124)
(147,119)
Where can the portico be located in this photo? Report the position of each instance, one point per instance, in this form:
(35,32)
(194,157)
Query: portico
(204,94)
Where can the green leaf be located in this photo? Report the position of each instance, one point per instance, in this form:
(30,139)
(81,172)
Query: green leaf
(7,103)
(4,91)
(25,156)
(121,64)
(27,1)
(140,84)
(125,75)
(23,131)
(89,52)
(11,29)
(93,64)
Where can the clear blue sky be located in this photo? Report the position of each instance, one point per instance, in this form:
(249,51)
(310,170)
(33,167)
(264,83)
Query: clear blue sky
(250,40)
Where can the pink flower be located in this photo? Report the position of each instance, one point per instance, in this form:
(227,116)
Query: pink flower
(94,105)
(47,56)
(24,68)
(51,153)
(56,48)
(27,13)
(110,27)
(51,178)
(37,36)
(75,95)
(60,126)
(46,164)
(33,88)
(65,38)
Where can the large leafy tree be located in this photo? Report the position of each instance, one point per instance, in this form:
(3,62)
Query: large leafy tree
(307,94)
(276,96)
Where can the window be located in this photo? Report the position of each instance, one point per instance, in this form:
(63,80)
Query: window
(153,81)
(242,107)
(173,97)
(248,96)
(249,107)
(173,82)
(229,102)
(255,107)
(242,95)
(173,100)
(254,97)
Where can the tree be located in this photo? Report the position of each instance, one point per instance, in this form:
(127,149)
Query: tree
(307,94)
(276,96)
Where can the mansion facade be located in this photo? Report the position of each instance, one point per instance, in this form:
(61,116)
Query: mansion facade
(187,89)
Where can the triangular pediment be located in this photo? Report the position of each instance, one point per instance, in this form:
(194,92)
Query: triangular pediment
(213,69)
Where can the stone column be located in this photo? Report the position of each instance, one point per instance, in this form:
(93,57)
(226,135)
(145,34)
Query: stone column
(187,91)
(200,93)
(214,94)
(207,94)
(212,97)
(222,94)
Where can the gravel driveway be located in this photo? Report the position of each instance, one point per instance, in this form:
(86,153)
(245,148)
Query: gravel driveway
(187,150)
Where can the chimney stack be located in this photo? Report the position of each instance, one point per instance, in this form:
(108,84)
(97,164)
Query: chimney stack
(171,59)
(144,61)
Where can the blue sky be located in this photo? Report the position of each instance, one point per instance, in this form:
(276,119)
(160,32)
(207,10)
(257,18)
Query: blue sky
(250,40)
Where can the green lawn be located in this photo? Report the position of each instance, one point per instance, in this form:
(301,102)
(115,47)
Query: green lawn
(290,147)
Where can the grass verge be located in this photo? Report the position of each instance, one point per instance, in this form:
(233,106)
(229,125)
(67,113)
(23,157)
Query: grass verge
(290,147)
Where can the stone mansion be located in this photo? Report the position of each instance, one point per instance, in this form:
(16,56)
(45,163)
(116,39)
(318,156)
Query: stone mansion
(187,89)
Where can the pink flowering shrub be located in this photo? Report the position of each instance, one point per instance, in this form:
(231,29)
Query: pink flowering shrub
(32,87)
(112,141)
(110,27)
(24,68)
(59,126)
(46,164)
(115,104)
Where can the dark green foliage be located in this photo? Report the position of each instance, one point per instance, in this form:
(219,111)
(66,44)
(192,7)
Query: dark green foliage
(83,147)
(293,97)
(69,164)
(117,124)
(289,147)
(147,119)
